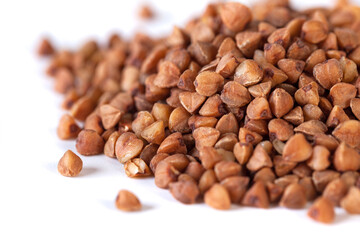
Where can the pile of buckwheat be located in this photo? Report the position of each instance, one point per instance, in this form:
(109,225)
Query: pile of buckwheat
(253,107)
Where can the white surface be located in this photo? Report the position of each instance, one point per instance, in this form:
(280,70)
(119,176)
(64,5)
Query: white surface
(38,203)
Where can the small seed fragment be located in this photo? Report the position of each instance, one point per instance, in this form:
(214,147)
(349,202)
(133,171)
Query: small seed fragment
(137,168)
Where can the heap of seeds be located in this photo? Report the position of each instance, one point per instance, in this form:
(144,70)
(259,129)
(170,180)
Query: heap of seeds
(253,107)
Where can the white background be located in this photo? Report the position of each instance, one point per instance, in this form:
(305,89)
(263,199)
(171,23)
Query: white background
(36,202)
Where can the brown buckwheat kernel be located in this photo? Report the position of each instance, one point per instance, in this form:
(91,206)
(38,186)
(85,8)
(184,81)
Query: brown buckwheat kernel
(70,164)
(218,197)
(127,146)
(351,202)
(297,149)
(127,201)
(89,142)
(256,196)
(184,191)
(294,196)
(235,16)
(322,211)
(67,128)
